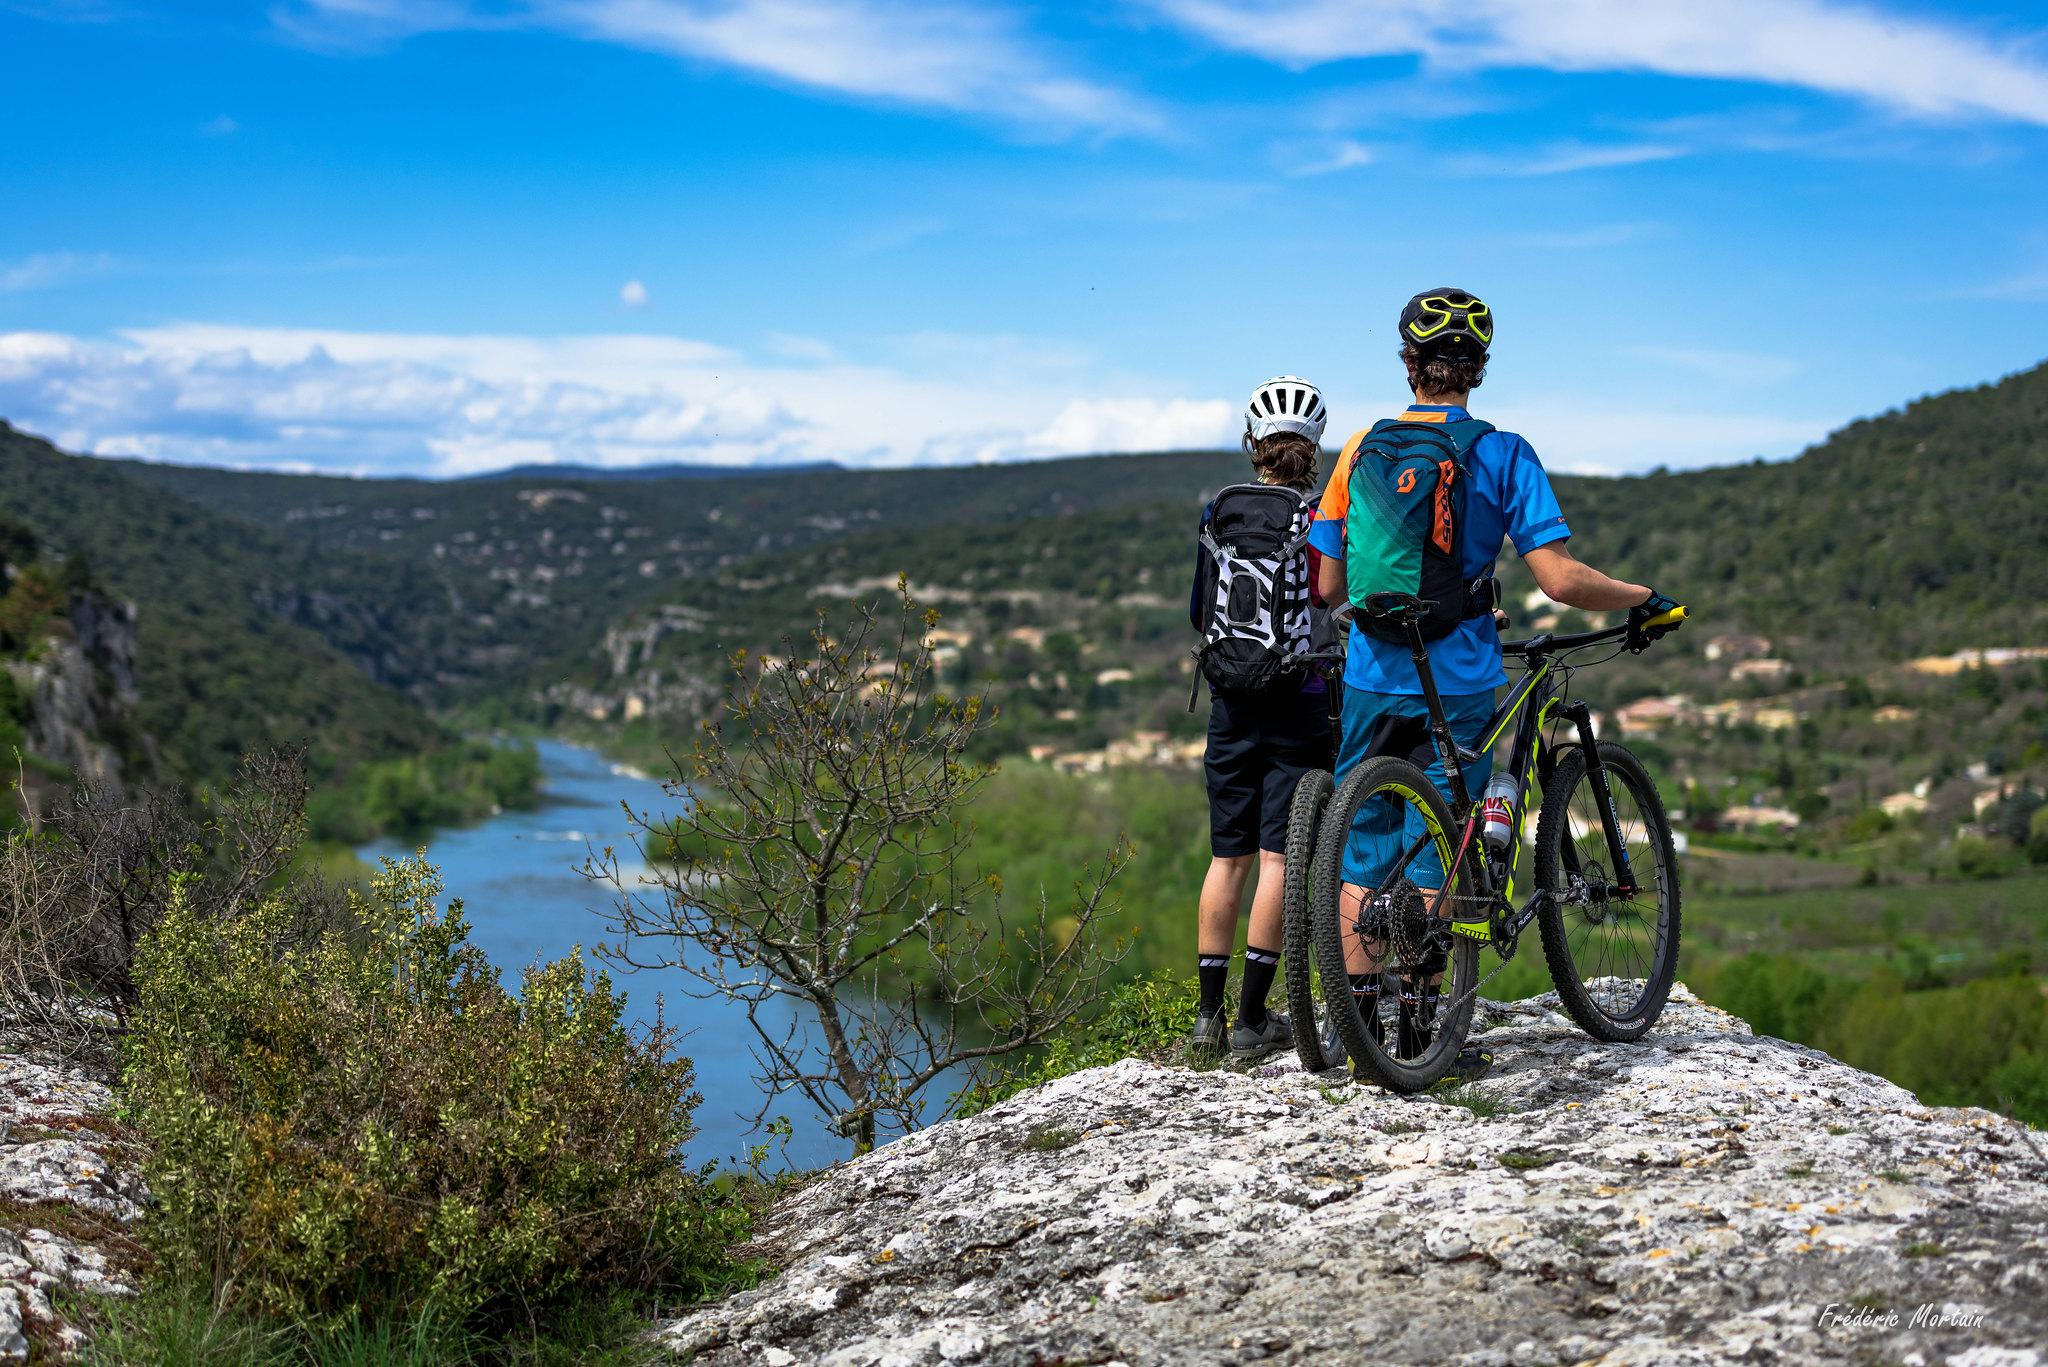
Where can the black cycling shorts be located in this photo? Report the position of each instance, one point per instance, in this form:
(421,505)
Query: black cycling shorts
(1259,747)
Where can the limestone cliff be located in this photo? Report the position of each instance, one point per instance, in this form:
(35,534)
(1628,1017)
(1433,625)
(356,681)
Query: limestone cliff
(1705,1196)
(74,688)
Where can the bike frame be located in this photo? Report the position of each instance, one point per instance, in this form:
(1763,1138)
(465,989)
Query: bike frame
(1530,705)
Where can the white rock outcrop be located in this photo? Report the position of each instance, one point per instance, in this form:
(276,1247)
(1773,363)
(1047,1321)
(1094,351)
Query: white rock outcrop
(68,1190)
(1705,1196)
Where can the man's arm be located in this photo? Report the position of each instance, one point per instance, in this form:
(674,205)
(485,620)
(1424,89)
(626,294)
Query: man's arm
(1330,579)
(1568,580)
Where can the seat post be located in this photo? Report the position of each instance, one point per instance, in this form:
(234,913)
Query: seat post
(1439,724)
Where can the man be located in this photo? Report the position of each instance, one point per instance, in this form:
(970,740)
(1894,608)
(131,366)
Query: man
(1446,335)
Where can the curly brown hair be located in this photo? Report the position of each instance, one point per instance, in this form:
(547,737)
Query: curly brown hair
(1443,370)
(1283,458)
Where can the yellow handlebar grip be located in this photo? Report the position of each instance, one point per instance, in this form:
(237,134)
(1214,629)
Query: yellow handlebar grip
(1667,619)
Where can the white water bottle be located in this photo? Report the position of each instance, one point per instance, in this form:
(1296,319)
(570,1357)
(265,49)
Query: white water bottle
(1497,812)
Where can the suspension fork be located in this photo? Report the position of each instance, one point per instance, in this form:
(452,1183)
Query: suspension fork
(1581,716)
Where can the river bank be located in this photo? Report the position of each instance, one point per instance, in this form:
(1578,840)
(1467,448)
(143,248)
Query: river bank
(518,876)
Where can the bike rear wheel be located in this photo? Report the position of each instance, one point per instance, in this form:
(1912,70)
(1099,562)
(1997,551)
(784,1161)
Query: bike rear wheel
(1297,953)
(1390,795)
(1610,935)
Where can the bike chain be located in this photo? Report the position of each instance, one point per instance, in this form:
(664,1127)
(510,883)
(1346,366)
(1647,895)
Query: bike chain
(1468,899)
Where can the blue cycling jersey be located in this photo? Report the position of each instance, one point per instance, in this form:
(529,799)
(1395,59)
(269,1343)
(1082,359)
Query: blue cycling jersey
(1508,497)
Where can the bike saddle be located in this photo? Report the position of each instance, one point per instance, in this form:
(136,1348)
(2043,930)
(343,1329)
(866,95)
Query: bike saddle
(1398,607)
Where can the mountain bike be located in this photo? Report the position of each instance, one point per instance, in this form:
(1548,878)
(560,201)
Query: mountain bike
(1606,900)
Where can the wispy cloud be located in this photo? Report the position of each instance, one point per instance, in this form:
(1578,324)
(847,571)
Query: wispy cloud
(221,126)
(446,404)
(1322,158)
(1564,158)
(934,54)
(633,294)
(1591,238)
(46,270)
(1728,367)
(1582,438)
(1919,66)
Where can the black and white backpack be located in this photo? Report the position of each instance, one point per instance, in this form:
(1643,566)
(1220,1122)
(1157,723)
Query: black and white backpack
(1251,600)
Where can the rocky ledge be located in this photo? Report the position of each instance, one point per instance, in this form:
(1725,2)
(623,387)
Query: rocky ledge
(69,1188)
(1704,1196)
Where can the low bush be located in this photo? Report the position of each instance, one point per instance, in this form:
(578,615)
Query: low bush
(1977,857)
(1147,1018)
(358,1119)
(1978,1043)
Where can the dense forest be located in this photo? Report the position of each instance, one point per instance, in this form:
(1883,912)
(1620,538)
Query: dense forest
(377,619)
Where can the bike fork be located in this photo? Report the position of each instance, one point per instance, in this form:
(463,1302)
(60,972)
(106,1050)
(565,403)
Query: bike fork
(1580,715)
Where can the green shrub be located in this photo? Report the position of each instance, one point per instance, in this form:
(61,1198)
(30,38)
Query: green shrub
(360,1119)
(32,600)
(1980,858)
(412,794)
(2037,837)
(1146,1018)
(2019,1086)
(1776,993)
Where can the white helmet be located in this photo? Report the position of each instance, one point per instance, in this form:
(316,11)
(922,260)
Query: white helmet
(1286,403)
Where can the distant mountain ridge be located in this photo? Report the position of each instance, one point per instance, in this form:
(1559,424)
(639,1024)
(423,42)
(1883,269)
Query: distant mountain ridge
(604,474)
(563,595)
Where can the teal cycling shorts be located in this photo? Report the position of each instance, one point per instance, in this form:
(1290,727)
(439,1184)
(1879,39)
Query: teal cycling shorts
(1398,723)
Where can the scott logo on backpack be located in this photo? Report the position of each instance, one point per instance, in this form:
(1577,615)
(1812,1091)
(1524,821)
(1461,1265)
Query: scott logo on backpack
(1251,598)
(1406,506)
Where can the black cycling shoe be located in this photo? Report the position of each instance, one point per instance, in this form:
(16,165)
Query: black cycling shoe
(1207,1036)
(1472,1062)
(1269,1036)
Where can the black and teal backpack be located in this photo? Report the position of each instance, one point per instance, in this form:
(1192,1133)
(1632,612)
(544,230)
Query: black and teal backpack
(1405,514)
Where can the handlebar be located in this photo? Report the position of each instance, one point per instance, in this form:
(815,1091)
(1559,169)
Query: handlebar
(1546,643)
(1542,644)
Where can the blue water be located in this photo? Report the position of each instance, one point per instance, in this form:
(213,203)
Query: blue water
(517,875)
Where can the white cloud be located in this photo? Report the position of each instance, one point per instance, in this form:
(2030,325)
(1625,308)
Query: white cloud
(1093,425)
(1322,159)
(1919,66)
(1596,236)
(45,270)
(438,404)
(931,53)
(1729,367)
(1565,158)
(633,294)
(220,127)
(1580,438)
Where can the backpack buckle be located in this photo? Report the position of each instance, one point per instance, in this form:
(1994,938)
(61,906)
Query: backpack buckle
(1482,596)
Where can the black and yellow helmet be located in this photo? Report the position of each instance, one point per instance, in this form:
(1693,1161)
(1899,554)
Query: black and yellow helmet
(1447,317)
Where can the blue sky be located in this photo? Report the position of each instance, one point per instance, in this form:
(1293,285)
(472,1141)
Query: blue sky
(434,236)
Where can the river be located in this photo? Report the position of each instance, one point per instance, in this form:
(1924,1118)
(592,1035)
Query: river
(517,875)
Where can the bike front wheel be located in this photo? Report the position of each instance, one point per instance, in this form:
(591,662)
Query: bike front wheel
(1610,928)
(1395,803)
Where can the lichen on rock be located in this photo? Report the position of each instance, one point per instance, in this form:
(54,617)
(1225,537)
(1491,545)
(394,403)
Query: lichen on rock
(1706,1195)
(69,1188)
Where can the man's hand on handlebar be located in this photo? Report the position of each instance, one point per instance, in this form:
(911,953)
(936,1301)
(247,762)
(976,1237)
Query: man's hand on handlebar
(1656,616)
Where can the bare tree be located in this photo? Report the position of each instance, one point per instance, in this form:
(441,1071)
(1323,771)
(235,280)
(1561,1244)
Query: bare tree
(79,893)
(822,863)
